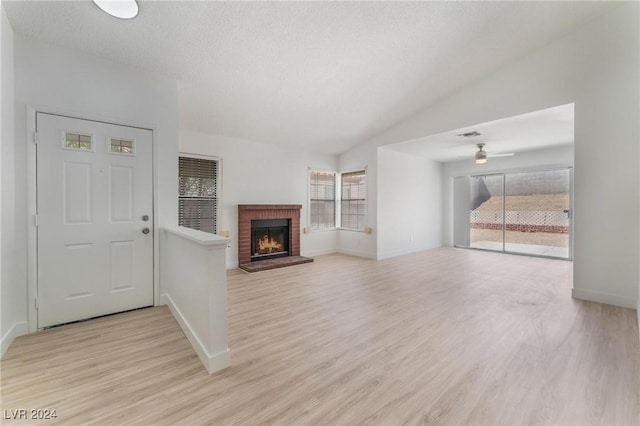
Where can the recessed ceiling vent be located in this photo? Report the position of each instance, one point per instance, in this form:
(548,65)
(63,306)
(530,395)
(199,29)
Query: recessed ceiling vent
(470,134)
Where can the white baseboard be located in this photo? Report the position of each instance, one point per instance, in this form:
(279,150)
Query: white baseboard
(212,362)
(219,361)
(232,265)
(17,329)
(606,298)
(322,252)
(396,253)
(357,253)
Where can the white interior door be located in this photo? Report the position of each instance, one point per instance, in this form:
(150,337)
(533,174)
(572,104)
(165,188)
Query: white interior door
(94,219)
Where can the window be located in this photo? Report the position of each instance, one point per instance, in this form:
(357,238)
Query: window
(322,197)
(353,200)
(198,193)
(121,146)
(337,199)
(79,141)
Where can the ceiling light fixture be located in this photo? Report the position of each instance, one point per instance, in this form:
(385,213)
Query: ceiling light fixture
(123,9)
(481,155)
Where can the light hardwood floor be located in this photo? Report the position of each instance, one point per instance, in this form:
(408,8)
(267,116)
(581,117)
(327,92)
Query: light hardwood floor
(445,336)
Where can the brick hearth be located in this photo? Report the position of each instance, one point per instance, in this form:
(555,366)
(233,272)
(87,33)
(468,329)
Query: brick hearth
(249,212)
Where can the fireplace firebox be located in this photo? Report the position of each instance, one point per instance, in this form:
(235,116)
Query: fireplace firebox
(269,238)
(270,234)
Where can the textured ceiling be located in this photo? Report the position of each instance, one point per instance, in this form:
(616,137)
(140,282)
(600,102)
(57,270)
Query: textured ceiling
(319,75)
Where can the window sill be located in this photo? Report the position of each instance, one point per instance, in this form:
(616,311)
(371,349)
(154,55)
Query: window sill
(352,230)
(313,231)
(199,237)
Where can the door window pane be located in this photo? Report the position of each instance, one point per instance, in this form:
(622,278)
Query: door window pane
(121,146)
(79,141)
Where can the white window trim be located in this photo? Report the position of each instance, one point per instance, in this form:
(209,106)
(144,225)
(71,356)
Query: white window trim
(339,200)
(336,200)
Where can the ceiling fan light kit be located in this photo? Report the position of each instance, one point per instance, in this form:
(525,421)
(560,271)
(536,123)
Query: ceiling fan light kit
(481,155)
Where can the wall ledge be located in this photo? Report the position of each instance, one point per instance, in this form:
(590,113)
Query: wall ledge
(269,206)
(199,237)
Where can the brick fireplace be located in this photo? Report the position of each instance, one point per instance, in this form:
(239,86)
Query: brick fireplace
(248,258)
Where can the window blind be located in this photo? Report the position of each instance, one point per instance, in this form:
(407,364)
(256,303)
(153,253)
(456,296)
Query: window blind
(322,195)
(353,200)
(198,193)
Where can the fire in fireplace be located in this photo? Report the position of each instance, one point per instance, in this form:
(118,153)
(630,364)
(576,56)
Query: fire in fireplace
(269,238)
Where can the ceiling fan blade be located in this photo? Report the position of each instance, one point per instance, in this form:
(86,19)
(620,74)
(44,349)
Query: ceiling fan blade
(506,154)
(489,155)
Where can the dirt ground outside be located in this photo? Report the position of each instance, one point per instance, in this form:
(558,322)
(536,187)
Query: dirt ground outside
(533,238)
(534,202)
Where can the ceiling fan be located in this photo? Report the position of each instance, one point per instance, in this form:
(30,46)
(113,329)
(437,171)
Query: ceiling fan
(482,155)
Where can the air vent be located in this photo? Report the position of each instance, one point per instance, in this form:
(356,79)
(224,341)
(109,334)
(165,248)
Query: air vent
(470,134)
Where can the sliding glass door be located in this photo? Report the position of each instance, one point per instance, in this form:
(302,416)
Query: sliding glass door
(525,212)
(537,213)
(486,218)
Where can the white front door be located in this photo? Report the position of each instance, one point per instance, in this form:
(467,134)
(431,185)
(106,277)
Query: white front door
(94,218)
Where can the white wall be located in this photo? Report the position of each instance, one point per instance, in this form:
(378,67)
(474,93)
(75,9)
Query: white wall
(77,83)
(409,203)
(597,68)
(64,81)
(195,289)
(5,98)
(13,291)
(259,173)
(532,160)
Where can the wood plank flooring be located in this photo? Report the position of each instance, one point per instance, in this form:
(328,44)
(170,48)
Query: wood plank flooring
(446,336)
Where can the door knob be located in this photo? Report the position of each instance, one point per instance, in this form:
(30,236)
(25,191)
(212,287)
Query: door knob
(145,231)
(145,217)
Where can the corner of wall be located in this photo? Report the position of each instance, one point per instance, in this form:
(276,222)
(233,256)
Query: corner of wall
(2,95)
(12,273)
